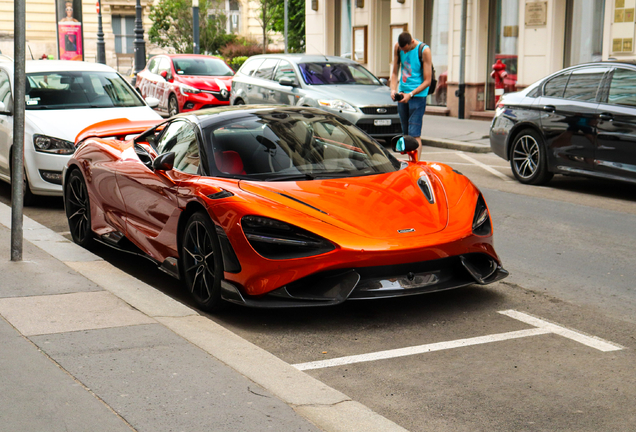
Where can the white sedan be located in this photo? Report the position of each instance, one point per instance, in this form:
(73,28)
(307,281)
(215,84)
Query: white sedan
(62,98)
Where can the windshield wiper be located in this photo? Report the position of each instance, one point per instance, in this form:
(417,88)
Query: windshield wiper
(290,177)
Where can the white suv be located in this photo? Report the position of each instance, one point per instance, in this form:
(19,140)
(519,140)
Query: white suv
(62,98)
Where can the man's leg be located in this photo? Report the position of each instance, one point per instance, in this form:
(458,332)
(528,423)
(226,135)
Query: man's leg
(417,106)
(403,112)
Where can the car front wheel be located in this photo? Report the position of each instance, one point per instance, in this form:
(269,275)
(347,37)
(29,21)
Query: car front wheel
(528,158)
(201,262)
(78,209)
(173,106)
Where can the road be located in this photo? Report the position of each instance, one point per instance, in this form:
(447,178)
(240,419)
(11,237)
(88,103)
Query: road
(453,361)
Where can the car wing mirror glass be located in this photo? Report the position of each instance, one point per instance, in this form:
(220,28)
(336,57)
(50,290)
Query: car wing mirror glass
(164,162)
(287,81)
(384,81)
(152,102)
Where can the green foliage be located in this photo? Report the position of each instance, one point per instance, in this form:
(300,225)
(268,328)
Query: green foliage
(172,26)
(237,62)
(296,26)
(240,47)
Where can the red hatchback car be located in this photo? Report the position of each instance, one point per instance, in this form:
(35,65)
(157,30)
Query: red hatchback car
(186,82)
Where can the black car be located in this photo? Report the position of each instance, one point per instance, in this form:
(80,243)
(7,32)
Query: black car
(578,121)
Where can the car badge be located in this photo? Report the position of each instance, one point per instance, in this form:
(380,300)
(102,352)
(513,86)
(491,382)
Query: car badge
(406,230)
(224,93)
(381,110)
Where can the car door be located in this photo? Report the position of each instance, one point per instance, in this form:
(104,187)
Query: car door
(152,197)
(149,78)
(284,94)
(262,91)
(163,86)
(569,102)
(6,124)
(616,143)
(244,81)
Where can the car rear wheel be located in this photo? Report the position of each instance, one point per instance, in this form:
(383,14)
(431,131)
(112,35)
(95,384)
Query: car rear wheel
(201,262)
(173,106)
(78,209)
(528,158)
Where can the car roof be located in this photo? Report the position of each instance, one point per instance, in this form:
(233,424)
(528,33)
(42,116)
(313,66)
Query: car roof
(307,58)
(213,115)
(64,66)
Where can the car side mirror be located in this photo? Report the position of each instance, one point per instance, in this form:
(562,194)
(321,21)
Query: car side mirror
(404,144)
(152,102)
(384,81)
(166,75)
(164,162)
(4,110)
(287,81)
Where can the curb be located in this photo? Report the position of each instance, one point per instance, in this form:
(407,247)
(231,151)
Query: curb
(456,145)
(325,407)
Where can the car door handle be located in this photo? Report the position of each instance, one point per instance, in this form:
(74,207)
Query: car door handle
(606,116)
(549,108)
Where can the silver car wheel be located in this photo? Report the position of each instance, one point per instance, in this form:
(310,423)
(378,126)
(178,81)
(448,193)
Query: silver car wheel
(526,156)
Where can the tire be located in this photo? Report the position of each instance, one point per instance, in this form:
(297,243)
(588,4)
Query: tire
(201,262)
(528,158)
(78,209)
(28,198)
(239,101)
(173,106)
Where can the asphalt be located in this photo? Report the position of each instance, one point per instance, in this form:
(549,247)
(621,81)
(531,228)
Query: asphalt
(86,346)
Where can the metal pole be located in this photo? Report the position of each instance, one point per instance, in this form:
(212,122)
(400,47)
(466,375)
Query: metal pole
(139,43)
(195,25)
(461,92)
(101,45)
(17,165)
(286,23)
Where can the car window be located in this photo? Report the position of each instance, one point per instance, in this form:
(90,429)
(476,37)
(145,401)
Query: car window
(250,66)
(266,69)
(86,89)
(5,90)
(584,83)
(336,73)
(152,65)
(164,65)
(201,66)
(180,137)
(556,86)
(284,69)
(622,89)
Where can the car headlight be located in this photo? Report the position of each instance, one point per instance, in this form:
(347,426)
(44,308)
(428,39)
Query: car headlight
(275,239)
(337,104)
(46,144)
(481,220)
(186,90)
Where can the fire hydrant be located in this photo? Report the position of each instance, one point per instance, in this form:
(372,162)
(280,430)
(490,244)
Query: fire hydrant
(498,74)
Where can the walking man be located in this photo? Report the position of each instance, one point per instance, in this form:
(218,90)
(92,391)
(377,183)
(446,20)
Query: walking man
(415,78)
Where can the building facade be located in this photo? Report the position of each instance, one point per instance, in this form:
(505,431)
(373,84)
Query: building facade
(532,38)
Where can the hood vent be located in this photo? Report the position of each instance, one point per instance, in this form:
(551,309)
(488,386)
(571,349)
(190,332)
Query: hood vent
(425,185)
(301,202)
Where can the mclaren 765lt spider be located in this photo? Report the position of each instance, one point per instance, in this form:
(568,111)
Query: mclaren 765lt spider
(278,207)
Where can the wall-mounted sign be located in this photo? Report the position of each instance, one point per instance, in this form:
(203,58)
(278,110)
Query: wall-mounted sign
(622,45)
(536,13)
(314,5)
(620,3)
(69,30)
(629,15)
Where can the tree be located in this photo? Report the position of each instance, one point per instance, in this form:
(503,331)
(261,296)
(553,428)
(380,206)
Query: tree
(296,26)
(172,26)
(266,17)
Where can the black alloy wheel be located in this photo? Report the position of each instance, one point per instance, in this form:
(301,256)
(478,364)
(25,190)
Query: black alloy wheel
(78,209)
(173,106)
(201,262)
(528,158)
(239,101)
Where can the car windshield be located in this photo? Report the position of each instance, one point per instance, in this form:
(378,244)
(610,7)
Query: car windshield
(336,73)
(291,145)
(199,66)
(69,90)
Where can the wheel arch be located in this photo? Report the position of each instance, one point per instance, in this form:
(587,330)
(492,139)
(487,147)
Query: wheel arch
(516,131)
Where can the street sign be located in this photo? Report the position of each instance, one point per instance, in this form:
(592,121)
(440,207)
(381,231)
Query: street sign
(97,6)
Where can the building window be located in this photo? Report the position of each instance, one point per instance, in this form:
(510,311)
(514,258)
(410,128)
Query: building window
(503,37)
(584,31)
(124,31)
(436,22)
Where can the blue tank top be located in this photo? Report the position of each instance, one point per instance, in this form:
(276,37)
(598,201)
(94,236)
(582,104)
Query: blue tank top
(412,74)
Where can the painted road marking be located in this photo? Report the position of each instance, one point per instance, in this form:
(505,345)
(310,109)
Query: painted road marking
(484,166)
(591,341)
(541,327)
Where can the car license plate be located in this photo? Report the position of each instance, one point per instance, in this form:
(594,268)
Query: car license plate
(382,122)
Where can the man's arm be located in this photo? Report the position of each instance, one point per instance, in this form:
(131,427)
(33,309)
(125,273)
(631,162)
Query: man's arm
(427,67)
(394,71)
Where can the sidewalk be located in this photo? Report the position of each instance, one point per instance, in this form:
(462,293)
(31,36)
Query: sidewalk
(452,133)
(86,347)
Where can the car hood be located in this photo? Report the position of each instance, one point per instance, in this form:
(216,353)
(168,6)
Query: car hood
(66,124)
(377,206)
(356,95)
(207,82)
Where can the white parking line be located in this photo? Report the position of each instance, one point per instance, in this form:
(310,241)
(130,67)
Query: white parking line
(484,166)
(542,327)
(591,341)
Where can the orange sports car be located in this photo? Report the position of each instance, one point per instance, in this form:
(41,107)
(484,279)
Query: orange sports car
(278,207)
